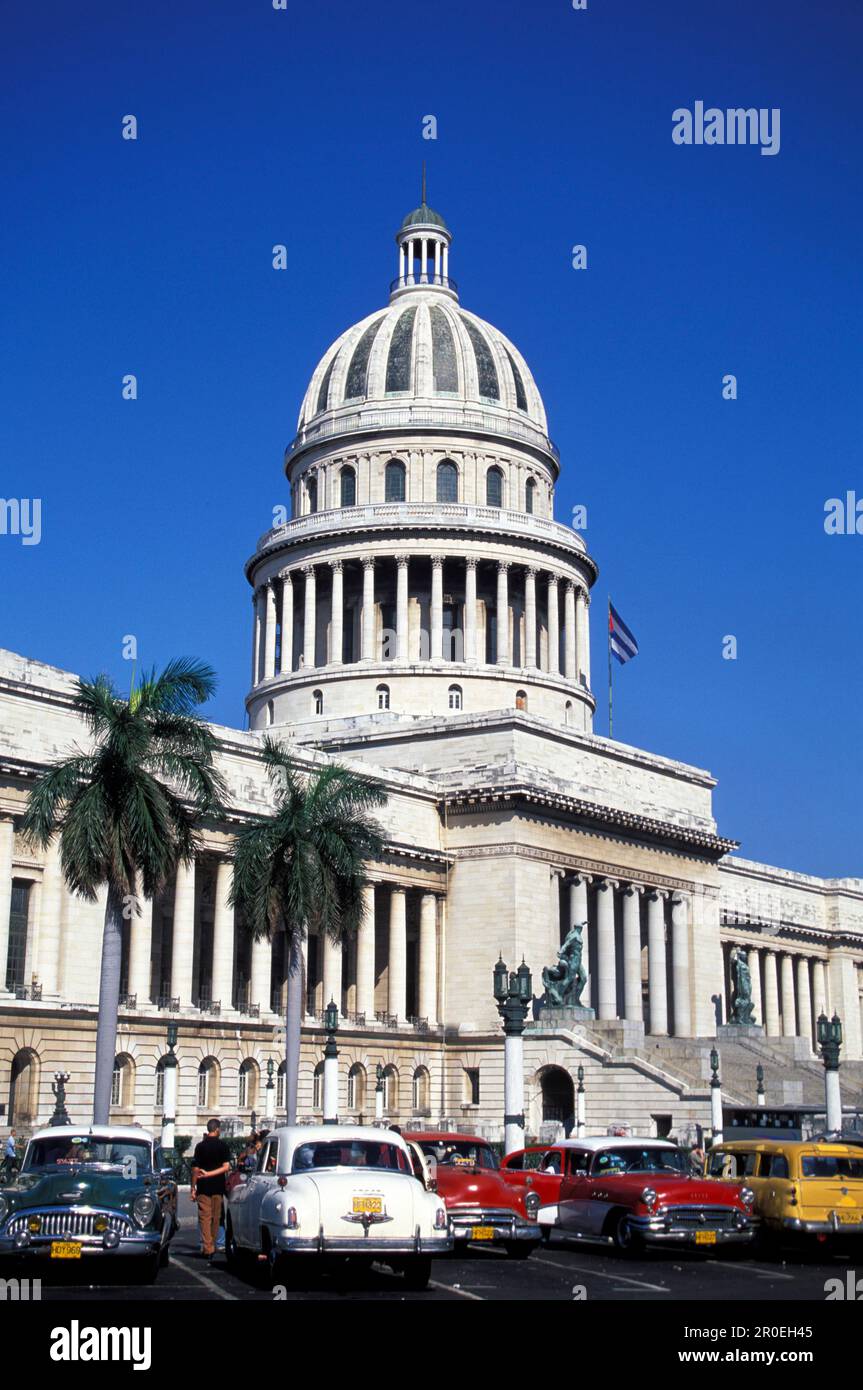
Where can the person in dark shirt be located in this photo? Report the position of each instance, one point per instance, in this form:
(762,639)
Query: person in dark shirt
(210,1164)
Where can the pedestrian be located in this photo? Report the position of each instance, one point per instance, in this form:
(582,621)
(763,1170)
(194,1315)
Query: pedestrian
(10,1155)
(210,1164)
(697,1158)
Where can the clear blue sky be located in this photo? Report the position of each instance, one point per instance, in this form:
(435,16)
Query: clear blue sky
(259,126)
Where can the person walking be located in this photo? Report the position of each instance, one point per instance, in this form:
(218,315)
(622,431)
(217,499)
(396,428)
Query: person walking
(210,1164)
(10,1155)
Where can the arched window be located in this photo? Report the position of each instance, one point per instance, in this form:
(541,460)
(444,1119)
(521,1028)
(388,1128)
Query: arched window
(394,481)
(317,701)
(24,1088)
(280,1085)
(356,1087)
(312,494)
(208,1084)
(248,1097)
(160,1084)
(455,697)
(391,1089)
(568,712)
(123,1081)
(271,711)
(348,487)
(494,488)
(447,482)
(383,697)
(530,495)
(421,1091)
(318,1087)
(521,699)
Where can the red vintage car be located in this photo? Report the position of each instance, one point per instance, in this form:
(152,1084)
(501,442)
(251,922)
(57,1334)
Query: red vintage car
(634,1191)
(481,1205)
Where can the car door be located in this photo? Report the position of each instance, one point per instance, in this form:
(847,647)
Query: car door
(247,1199)
(776,1187)
(573,1201)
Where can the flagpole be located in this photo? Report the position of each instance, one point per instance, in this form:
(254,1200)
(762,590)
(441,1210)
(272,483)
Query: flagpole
(608,639)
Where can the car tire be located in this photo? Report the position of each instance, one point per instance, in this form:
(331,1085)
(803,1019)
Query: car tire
(626,1241)
(233,1254)
(417,1273)
(164,1256)
(518,1249)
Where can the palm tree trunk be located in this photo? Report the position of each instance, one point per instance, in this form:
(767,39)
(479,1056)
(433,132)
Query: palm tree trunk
(109,1002)
(293,1023)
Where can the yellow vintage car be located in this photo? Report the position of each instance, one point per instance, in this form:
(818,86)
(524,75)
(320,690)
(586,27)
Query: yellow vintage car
(802,1187)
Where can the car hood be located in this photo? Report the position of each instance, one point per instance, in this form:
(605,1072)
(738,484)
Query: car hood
(471,1187)
(673,1191)
(74,1188)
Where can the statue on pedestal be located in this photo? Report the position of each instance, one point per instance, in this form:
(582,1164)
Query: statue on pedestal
(564,982)
(742,1010)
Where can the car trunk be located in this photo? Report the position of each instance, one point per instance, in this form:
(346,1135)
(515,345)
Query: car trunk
(356,1193)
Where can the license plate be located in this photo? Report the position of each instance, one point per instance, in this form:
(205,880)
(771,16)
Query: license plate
(368,1205)
(65,1250)
(705,1237)
(482,1233)
(848,1218)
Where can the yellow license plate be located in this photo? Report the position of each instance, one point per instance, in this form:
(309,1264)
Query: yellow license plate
(482,1233)
(848,1218)
(368,1205)
(65,1250)
(705,1237)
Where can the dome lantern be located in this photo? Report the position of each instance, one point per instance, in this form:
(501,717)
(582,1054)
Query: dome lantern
(423,240)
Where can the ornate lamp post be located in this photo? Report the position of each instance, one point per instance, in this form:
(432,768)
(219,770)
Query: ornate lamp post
(579,1105)
(379,1093)
(829,1035)
(169,1092)
(715,1097)
(759,1085)
(331,1066)
(58,1087)
(513,992)
(270,1107)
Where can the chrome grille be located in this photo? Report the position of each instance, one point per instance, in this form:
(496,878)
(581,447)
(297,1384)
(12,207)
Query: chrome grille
(69,1223)
(698,1217)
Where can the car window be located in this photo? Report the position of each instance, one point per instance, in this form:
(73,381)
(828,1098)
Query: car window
(350,1153)
(460,1153)
(721,1165)
(634,1159)
(534,1160)
(778,1166)
(577,1161)
(750,1165)
(551,1161)
(271,1158)
(831,1166)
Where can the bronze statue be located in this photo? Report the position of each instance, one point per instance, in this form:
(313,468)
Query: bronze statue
(564,982)
(742,1010)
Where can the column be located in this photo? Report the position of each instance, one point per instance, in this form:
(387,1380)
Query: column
(789,1020)
(804,999)
(366,955)
(503,613)
(402,261)
(309,616)
(368,616)
(270,639)
(445,262)
(397,996)
(256,639)
(261,974)
(819,981)
(578,913)
(680,971)
(140,950)
(222,987)
(470,652)
(48,940)
(582,636)
(436,619)
(337,614)
(632,952)
(424,260)
(657,985)
(428,958)
(553,627)
(437,262)
(569,631)
(607,963)
(771,995)
(402,653)
(530,617)
(182,953)
(332,972)
(752,957)
(287,655)
(260,629)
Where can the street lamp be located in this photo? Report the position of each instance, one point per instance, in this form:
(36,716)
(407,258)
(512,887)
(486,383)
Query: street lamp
(715,1097)
(379,1093)
(169,1089)
(829,1034)
(270,1107)
(580,1117)
(61,1114)
(513,993)
(759,1085)
(331,1066)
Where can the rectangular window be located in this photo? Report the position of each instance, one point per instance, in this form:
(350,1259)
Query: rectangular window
(471,1085)
(19,916)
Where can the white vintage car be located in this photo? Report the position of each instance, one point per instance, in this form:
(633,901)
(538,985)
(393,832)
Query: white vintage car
(342,1190)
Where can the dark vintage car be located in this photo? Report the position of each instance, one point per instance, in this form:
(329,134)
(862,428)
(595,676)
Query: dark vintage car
(481,1206)
(633,1191)
(104,1192)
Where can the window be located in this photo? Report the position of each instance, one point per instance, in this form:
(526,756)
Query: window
(421,1091)
(160,1084)
(455,697)
(447,482)
(530,495)
(270,1159)
(394,481)
(271,711)
(317,1087)
(248,1090)
(578,1161)
(356,1087)
(776,1166)
(521,699)
(355,385)
(444,367)
(280,1086)
(494,488)
(120,1081)
(520,397)
(317,701)
(323,393)
(312,494)
(470,1086)
(18,923)
(383,697)
(486,370)
(391,1089)
(348,487)
(208,1084)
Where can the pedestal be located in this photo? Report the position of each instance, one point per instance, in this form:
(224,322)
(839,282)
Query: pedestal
(563,1015)
(733,1032)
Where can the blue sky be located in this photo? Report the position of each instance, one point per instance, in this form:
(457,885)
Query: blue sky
(554,128)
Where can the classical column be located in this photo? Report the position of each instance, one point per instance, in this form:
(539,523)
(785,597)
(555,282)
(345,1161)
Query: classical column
(470,651)
(256,638)
(771,995)
(270,639)
(632,1007)
(657,985)
(503,613)
(261,973)
(680,969)
(436,617)
(752,957)
(819,981)
(309,616)
(397,973)
(804,999)
(337,614)
(222,987)
(48,941)
(582,636)
(140,950)
(530,617)
(553,627)
(424,259)
(578,913)
(332,972)
(789,1020)
(183,949)
(402,262)
(366,955)
(428,958)
(260,632)
(437,262)
(287,653)
(605,948)
(368,621)
(569,631)
(402,653)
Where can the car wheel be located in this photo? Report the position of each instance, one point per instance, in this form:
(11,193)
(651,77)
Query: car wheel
(417,1273)
(164,1256)
(518,1249)
(232,1249)
(625,1239)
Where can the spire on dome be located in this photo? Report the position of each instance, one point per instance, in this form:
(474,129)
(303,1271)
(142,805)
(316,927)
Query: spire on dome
(423,241)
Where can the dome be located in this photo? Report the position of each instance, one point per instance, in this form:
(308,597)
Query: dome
(424,216)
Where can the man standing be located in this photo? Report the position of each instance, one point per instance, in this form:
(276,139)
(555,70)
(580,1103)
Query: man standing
(10,1156)
(210,1163)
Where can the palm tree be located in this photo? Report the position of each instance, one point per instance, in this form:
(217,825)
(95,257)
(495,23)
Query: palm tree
(126,811)
(304,866)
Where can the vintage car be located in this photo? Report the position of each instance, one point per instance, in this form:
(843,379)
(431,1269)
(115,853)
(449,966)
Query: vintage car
(104,1192)
(480,1204)
(637,1192)
(538,1169)
(803,1188)
(336,1190)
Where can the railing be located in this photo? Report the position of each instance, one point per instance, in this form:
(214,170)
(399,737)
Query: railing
(31,992)
(381,1016)
(462,417)
(169,1002)
(128,1001)
(208,1005)
(429,280)
(249,1010)
(419,1025)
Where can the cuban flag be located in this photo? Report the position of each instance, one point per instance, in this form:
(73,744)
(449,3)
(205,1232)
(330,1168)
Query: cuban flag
(621,641)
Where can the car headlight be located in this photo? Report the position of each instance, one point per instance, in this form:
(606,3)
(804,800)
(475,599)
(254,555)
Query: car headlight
(648,1196)
(4,1209)
(143,1210)
(531,1205)
(747,1196)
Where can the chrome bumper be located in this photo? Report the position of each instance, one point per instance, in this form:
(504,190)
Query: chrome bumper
(662,1230)
(832,1227)
(39,1247)
(288,1244)
(507,1226)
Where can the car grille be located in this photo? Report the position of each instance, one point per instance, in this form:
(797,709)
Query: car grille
(489,1217)
(723,1218)
(69,1223)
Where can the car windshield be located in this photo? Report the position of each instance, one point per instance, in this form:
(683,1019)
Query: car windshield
(637,1160)
(350,1153)
(459,1153)
(832,1166)
(83,1150)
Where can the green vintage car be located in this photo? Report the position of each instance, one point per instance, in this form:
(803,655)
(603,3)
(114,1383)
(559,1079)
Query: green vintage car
(103,1192)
